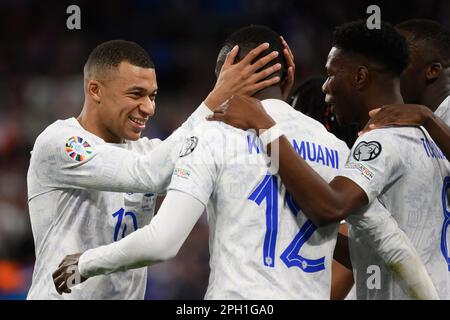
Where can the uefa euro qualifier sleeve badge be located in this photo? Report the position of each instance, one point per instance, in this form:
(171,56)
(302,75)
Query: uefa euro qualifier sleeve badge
(78,149)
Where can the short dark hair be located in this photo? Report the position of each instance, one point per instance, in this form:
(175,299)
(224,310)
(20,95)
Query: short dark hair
(110,54)
(248,38)
(431,33)
(385,45)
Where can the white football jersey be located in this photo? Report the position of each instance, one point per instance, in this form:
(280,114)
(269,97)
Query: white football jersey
(77,200)
(404,170)
(261,244)
(443,111)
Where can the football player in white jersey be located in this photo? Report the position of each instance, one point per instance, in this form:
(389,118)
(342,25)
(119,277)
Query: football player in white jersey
(426,81)
(92,181)
(261,244)
(400,167)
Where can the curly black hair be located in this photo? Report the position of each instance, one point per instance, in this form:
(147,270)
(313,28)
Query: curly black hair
(385,45)
(431,33)
(250,37)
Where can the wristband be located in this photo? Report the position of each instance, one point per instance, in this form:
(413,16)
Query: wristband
(270,135)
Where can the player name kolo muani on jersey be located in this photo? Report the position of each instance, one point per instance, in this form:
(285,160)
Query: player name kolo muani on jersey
(309,151)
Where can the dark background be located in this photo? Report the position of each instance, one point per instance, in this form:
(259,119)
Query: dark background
(41,65)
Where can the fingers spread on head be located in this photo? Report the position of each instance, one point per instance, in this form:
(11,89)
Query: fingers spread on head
(263,61)
(286,46)
(265,73)
(254,53)
(263,84)
(231,56)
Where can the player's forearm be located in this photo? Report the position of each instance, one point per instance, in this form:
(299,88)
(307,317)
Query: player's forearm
(111,168)
(319,201)
(391,244)
(440,133)
(405,263)
(341,281)
(120,170)
(341,251)
(158,241)
(198,116)
(164,156)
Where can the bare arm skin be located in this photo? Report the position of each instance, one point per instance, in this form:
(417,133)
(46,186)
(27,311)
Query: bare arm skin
(307,188)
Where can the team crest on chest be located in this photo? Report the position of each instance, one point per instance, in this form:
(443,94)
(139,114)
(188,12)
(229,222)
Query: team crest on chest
(78,148)
(366,151)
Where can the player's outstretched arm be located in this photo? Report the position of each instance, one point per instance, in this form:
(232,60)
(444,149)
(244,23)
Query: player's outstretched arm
(158,241)
(324,203)
(341,267)
(381,232)
(245,77)
(412,115)
(307,187)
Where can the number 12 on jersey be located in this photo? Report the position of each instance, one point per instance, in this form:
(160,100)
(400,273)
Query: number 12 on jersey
(444,249)
(268,190)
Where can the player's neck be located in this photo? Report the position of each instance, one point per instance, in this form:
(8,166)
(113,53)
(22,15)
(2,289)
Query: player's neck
(273,92)
(89,122)
(384,96)
(436,93)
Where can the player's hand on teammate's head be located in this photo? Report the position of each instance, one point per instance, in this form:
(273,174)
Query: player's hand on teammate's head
(242,77)
(397,114)
(67,275)
(243,112)
(288,82)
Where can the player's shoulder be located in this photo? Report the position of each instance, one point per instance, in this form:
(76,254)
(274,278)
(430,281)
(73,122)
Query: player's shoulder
(394,135)
(64,134)
(60,128)
(390,142)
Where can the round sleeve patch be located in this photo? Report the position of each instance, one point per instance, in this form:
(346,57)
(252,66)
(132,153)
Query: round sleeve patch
(366,151)
(78,148)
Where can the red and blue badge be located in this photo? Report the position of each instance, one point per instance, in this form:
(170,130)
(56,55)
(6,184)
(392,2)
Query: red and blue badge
(78,148)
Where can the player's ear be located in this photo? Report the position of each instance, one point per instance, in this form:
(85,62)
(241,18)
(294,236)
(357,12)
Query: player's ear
(361,77)
(433,71)
(93,90)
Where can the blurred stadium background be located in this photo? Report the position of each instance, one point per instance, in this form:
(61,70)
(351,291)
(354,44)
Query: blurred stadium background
(41,65)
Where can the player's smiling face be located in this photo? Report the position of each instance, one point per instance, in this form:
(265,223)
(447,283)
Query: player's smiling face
(128,101)
(338,87)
